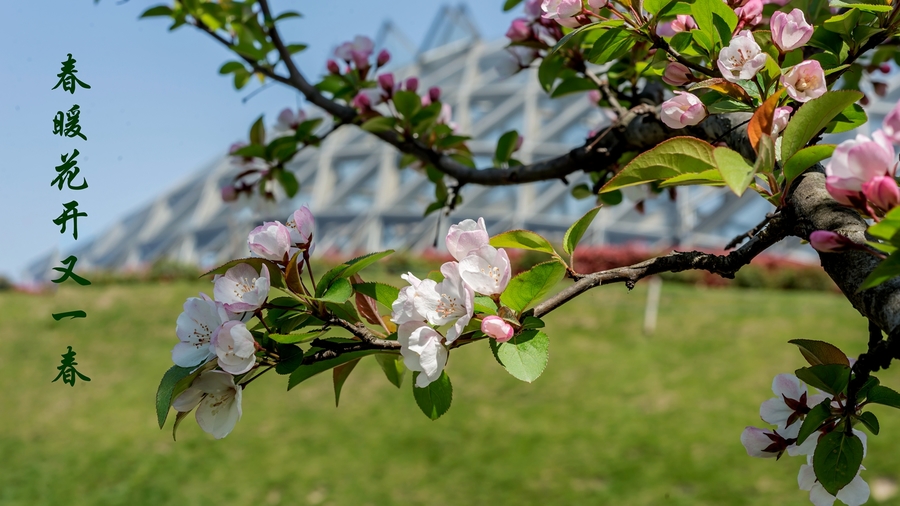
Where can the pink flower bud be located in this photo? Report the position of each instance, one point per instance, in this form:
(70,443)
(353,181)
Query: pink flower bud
(271,240)
(519,30)
(498,328)
(750,13)
(805,81)
(360,59)
(742,59)
(598,4)
(891,126)
(361,101)
(883,192)
(677,74)
(434,94)
(229,193)
(333,67)
(386,81)
(236,146)
(781,118)
(683,110)
(684,23)
(830,242)
(594,97)
(412,84)
(383,57)
(790,31)
(839,191)
(519,142)
(885,67)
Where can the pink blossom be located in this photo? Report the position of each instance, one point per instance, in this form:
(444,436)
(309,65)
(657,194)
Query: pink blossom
(412,84)
(234,347)
(271,240)
(563,11)
(487,270)
(685,109)
(684,23)
(383,58)
(362,47)
(677,74)
(498,328)
(857,161)
(780,119)
(750,13)
(533,9)
(825,241)
(229,193)
(300,225)
(361,102)
(289,120)
(333,67)
(882,191)
(891,125)
(598,4)
(465,237)
(742,59)
(519,30)
(242,288)
(805,81)
(594,97)
(790,31)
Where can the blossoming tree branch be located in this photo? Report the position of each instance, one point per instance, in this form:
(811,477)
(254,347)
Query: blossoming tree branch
(734,93)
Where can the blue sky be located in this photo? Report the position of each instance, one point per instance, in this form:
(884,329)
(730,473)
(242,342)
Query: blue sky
(157,109)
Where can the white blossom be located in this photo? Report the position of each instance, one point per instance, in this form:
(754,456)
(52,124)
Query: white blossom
(218,402)
(421,348)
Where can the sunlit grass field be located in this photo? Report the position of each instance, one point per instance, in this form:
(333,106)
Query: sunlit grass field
(617,418)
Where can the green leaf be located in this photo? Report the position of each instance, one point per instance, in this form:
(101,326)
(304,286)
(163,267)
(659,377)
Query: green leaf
(576,231)
(851,117)
(297,337)
(339,377)
(888,228)
(533,322)
(831,378)
(166,391)
(304,372)
(522,239)
(765,158)
(258,132)
(880,394)
(379,124)
(886,270)
(704,12)
(736,172)
(820,352)
(393,367)
(485,305)
(843,23)
(870,421)
(434,400)
(549,69)
(804,159)
(862,7)
(506,146)
(818,415)
(407,103)
(287,15)
(569,36)
(581,191)
(812,117)
(571,85)
(231,66)
(837,459)
(613,44)
(509,4)
(709,177)
(674,157)
(159,10)
(295,48)
(361,262)
(382,293)
(524,356)
(530,286)
(339,291)
(288,181)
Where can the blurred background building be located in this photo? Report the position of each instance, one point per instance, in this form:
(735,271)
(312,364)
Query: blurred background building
(362,201)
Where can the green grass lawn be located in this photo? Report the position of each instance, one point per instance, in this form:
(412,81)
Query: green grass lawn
(617,417)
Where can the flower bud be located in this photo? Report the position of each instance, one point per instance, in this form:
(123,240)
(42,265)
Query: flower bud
(412,84)
(598,4)
(498,328)
(434,93)
(333,67)
(750,13)
(882,191)
(790,31)
(885,67)
(386,81)
(229,193)
(825,241)
(594,97)
(683,110)
(271,241)
(519,141)
(519,30)
(780,119)
(677,74)
(383,57)
(805,81)
(361,101)
(891,125)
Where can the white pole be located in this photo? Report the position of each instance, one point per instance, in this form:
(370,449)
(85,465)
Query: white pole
(652,309)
